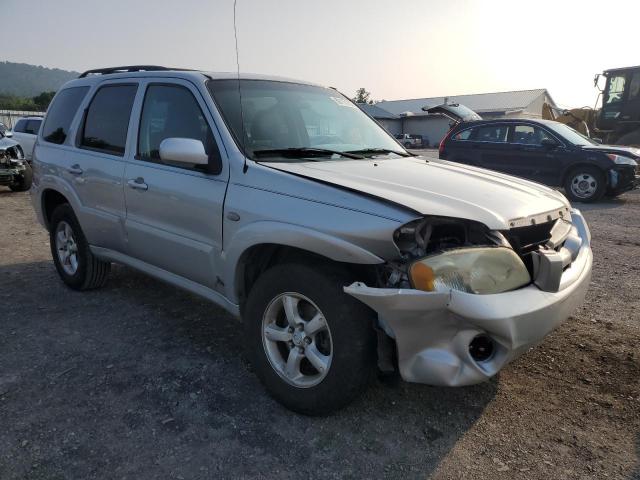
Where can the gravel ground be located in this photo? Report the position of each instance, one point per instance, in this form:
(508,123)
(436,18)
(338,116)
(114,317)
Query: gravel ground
(138,380)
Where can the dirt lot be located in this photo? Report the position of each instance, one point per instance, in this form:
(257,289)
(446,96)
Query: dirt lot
(138,381)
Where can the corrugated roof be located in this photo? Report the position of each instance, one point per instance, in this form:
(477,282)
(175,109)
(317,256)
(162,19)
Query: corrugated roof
(482,102)
(376,112)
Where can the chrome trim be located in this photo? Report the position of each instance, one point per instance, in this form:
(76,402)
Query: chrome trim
(540,218)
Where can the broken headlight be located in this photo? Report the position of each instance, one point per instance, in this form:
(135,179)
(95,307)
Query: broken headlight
(481,270)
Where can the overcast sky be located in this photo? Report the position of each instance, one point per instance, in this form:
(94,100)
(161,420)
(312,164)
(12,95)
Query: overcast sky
(395,49)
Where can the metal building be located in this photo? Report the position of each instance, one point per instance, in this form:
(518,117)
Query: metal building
(407,116)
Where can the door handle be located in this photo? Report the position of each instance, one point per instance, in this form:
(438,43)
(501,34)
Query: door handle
(75,169)
(138,184)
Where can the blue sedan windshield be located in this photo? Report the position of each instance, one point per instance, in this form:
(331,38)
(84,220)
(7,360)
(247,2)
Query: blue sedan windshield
(570,134)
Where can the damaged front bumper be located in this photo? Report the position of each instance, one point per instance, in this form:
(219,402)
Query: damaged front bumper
(433,331)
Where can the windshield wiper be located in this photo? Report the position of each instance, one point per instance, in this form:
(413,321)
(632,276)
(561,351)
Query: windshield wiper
(364,151)
(302,152)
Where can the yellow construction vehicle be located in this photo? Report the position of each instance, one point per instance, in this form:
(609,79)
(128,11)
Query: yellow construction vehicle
(617,122)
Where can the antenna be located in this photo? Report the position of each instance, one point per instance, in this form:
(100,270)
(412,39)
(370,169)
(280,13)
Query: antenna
(235,33)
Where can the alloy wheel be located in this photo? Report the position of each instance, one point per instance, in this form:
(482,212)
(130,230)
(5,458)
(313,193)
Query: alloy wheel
(297,340)
(67,248)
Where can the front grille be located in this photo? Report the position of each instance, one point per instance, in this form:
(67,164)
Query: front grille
(525,240)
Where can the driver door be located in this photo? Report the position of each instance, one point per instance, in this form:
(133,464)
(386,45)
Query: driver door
(174,210)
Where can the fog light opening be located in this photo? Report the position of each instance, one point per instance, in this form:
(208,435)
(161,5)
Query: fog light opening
(481,348)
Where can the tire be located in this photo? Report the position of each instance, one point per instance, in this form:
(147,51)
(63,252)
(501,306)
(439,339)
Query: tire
(24,184)
(88,272)
(407,145)
(348,349)
(585,184)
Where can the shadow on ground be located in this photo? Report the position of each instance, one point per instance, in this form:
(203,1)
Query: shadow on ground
(140,380)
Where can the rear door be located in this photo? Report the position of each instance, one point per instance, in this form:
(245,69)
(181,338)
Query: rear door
(96,166)
(454,111)
(174,210)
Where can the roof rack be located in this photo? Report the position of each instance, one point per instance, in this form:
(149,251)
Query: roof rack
(128,68)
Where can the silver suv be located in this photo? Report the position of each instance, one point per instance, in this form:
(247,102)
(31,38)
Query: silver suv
(343,254)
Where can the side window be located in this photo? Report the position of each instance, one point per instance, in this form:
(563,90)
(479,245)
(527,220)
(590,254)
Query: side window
(61,113)
(463,135)
(20,126)
(634,86)
(32,127)
(107,120)
(172,111)
(529,135)
(492,133)
(616,89)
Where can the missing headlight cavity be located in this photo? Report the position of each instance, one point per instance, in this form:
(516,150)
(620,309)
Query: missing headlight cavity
(430,235)
(433,234)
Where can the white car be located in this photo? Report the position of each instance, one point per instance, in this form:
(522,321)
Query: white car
(25,133)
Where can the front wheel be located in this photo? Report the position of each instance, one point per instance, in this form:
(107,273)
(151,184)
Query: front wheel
(311,344)
(585,184)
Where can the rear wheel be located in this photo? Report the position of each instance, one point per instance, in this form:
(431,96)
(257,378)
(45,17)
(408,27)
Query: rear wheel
(312,345)
(24,181)
(585,184)
(73,259)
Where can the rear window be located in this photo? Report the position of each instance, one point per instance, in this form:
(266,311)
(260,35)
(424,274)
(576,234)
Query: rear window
(492,133)
(61,113)
(107,121)
(19,126)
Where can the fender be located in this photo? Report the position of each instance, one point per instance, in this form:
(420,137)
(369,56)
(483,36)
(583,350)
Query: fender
(60,185)
(287,234)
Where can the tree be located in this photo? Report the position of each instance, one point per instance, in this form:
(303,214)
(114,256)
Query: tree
(43,100)
(362,96)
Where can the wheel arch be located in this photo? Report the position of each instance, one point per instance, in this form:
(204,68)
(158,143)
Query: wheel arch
(578,165)
(49,200)
(259,246)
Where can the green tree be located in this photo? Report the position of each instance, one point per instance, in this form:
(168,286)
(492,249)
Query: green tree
(363,96)
(43,100)
(11,102)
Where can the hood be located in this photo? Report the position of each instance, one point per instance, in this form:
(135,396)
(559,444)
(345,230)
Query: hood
(440,188)
(6,143)
(626,151)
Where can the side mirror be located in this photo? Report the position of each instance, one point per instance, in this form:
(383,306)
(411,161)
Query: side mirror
(183,150)
(548,143)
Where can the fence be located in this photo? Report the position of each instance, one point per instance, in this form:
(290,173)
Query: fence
(10,117)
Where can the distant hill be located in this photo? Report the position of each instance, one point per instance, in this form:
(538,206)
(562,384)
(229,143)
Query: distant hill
(24,80)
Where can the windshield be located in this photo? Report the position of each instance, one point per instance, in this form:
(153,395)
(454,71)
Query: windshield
(282,115)
(571,135)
